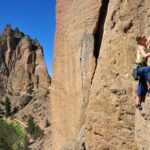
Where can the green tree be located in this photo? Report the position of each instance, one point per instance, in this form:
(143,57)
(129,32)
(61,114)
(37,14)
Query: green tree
(33,129)
(7,105)
(4,144)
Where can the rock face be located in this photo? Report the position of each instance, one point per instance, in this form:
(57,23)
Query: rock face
(21,62)
(92,90)
(24,78)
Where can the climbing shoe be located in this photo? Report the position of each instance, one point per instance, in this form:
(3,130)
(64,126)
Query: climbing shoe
(138,106)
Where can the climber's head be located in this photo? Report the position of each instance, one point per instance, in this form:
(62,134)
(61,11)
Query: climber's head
(141,40)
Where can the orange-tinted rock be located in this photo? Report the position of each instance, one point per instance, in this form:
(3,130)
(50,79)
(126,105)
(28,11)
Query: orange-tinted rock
(20,60)
(92,89)
(25,81)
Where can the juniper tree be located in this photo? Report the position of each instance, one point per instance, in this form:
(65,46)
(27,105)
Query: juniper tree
(7,105)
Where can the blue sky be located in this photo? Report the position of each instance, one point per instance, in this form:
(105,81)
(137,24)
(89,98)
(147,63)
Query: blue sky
(33,17)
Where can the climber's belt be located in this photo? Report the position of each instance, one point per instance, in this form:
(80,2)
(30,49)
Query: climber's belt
(138,65)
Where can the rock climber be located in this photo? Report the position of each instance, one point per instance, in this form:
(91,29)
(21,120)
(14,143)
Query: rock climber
(143,71)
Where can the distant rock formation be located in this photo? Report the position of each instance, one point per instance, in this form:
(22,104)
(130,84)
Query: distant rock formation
(92,89)
(21,62)
(24,79)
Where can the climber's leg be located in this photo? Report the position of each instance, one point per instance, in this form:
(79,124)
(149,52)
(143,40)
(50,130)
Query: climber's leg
(148,85)
(141,91)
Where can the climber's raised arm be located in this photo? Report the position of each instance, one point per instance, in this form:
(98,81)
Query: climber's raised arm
(143,52)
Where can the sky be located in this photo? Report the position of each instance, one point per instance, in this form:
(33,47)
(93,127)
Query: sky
(35,18)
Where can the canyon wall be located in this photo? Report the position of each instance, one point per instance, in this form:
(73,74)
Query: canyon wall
(25,82)
(92,89)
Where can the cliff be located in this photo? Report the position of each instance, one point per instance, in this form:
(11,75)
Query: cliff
(21,61)
(24,81)
(92,91)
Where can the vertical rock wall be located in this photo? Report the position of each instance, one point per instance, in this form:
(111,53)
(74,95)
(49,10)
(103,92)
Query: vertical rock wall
(73,67)
(92,90)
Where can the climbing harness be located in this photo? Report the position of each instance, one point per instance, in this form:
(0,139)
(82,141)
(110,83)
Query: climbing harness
(135,68)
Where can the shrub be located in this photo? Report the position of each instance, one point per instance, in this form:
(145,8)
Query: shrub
(7,105)
(4,144)
(33,129)
(11,136)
